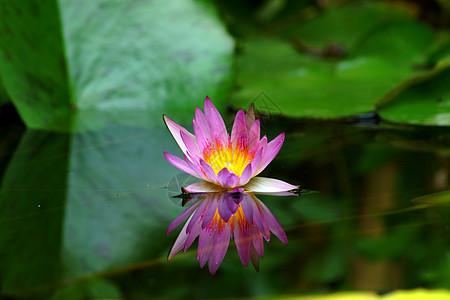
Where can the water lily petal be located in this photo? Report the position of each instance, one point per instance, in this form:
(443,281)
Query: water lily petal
(268,185)
(203,187)
(250,116)
(197,214)
(192,235)
(261,147)
(175,130)
(258,218)
(227,206)
(191,145)
(182,217)
(254,134)
(257,241)
(239,132)
(233,211)
(272,150)
(262,144)
(203,124)
(180,164)
(221,242)
(194,167)
(227,179)
(273,223)
(286,193)
(254,258)
(205,243)
(210,211)
(246,175)
(256,161)
(247,208)
(243,241)
(200,137)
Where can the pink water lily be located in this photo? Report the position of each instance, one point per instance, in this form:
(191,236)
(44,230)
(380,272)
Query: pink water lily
(225,162)
(216,218)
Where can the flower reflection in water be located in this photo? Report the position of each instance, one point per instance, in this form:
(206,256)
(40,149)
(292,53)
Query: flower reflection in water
(218,217)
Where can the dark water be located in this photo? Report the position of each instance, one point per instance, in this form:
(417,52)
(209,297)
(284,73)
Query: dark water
(84,216)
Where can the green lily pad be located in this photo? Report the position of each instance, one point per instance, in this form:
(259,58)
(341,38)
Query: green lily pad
(3,95)
(337,24)
(295,84)
(87,63)
(425,102)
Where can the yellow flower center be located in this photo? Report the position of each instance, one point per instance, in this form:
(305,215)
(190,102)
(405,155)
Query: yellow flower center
(219,156)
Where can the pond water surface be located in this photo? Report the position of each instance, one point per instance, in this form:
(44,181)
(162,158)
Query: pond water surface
(85,215)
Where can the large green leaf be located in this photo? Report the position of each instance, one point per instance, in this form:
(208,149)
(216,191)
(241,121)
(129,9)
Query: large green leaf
(32,64)
(91,62)
(273,72)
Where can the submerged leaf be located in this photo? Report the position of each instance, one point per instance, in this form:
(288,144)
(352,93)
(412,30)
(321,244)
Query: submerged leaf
(441,198)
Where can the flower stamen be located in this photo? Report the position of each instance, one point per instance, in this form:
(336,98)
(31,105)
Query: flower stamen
(219,157)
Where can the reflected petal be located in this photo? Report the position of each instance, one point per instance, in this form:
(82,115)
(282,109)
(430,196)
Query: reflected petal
(254,258)
(180,241)
(221,242)
(243,239)
(178,220)
(273,223)
(197,214)
(210,211)
(218,217)
(227,206)
(247,208)
(205,243)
